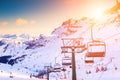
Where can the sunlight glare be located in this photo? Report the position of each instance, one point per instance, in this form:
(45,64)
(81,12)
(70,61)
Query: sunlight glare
(98,13)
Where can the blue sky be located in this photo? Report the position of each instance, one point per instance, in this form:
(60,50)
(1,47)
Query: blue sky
(42,16)
(14,8)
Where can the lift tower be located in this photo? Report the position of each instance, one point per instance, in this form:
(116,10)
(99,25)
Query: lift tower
(73,45)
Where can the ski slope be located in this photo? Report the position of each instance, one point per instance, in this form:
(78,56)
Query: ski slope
(44,50)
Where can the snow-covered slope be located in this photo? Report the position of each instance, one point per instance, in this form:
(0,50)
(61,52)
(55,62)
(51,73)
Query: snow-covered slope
(29,57)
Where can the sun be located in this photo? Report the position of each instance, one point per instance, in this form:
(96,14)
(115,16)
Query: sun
(97,13)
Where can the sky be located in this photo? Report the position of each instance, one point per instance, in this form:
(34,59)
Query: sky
(43,16)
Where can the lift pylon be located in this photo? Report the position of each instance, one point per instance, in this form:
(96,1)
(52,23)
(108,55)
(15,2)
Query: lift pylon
(72,45)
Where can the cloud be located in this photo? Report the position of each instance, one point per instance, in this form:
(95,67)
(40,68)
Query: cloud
(33,22)
(21,21)
(3,23)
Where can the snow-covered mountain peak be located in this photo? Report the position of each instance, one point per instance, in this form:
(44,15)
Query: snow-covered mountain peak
(29,56)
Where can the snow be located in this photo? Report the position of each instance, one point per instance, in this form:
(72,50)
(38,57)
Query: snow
(46,50)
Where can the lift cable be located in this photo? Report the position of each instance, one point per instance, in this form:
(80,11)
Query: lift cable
(111,36)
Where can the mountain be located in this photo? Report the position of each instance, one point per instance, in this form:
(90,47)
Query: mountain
(28,57)
(9,36)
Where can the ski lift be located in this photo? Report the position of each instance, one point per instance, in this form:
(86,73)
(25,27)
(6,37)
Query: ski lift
(64,50)
(96,49)
(66,61)
(57,67)
(89,60)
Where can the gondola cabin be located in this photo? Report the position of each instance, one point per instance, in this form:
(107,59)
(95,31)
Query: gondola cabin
(96,49)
